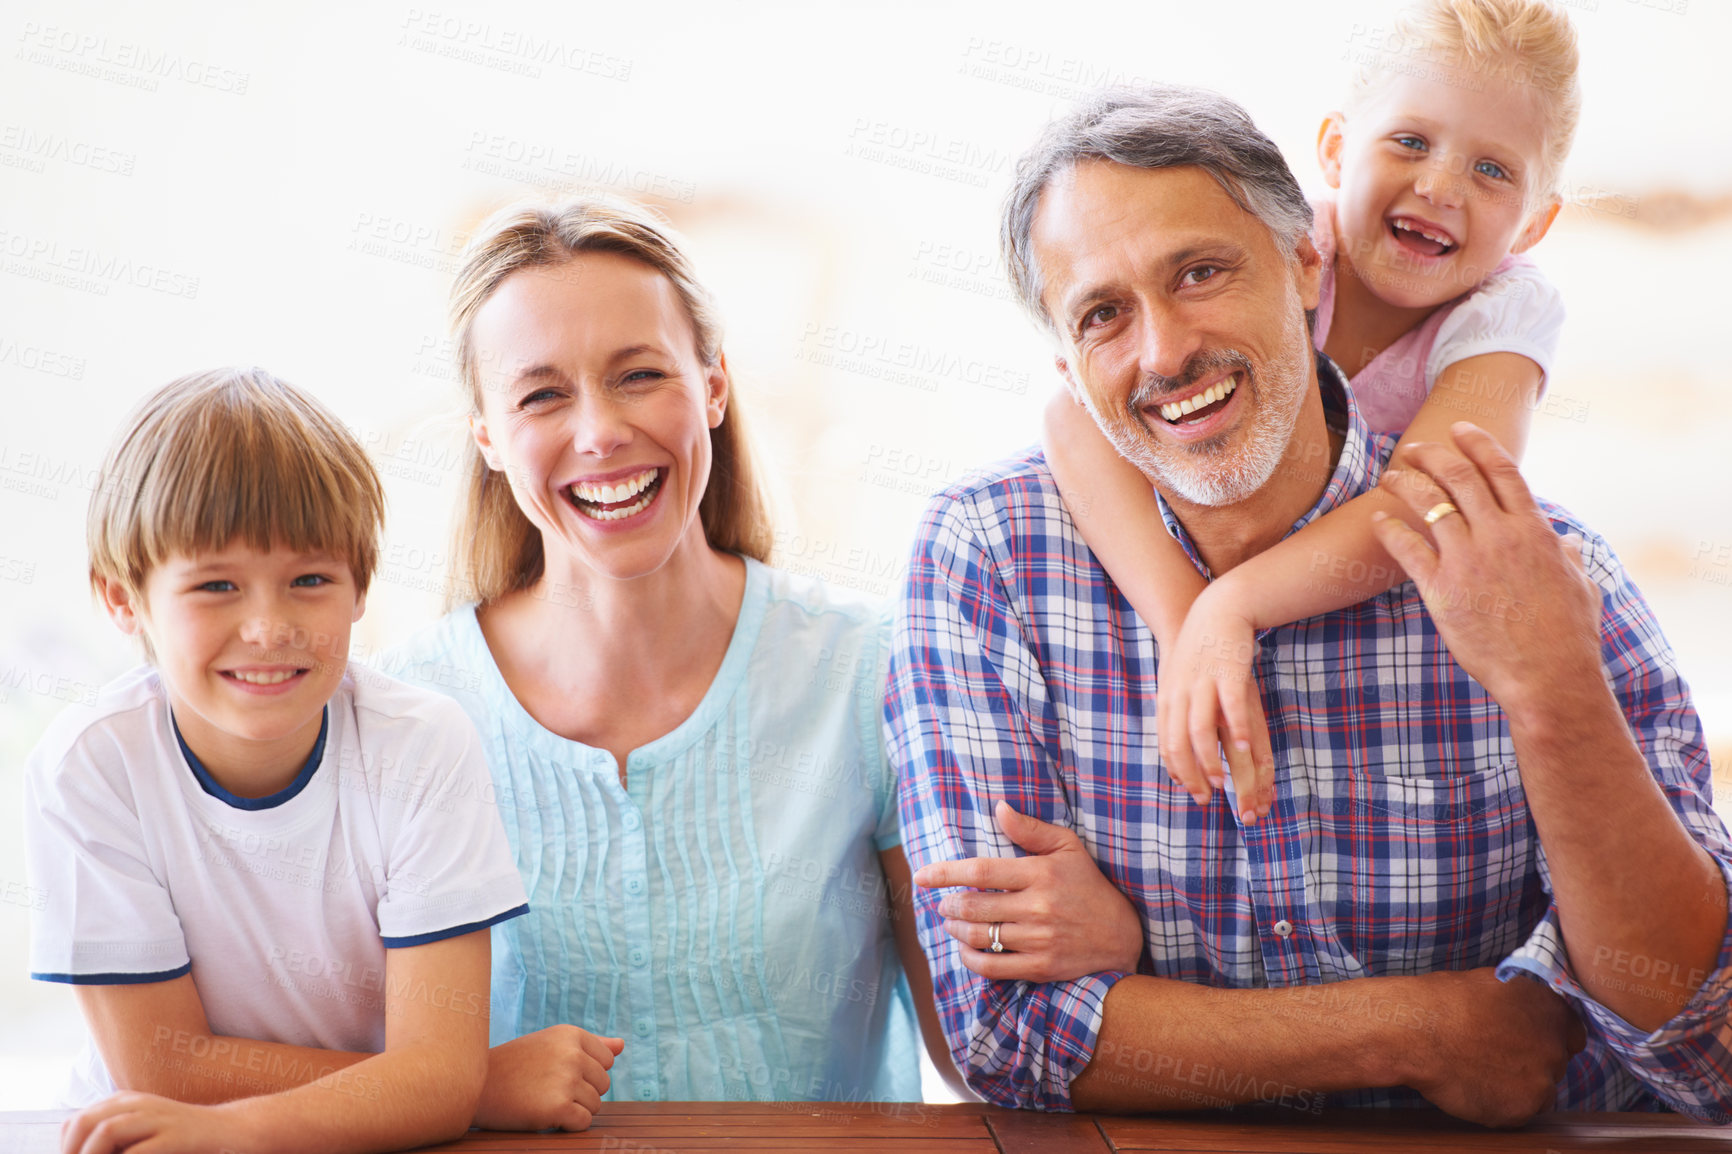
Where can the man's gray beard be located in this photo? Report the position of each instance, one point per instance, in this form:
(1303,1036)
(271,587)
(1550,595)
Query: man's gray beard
(1204,473)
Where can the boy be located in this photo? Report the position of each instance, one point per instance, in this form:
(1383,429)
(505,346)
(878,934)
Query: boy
(268,880)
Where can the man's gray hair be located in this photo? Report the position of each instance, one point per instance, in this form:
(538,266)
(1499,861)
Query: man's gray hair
(1158,126)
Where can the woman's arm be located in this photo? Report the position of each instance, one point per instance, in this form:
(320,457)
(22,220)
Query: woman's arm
(422,1089)
(896,876)
(1330,564)
(1114,509)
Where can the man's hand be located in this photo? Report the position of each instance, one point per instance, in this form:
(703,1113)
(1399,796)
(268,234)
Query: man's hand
(1499,1049)
(551,1079)
(1508,595)
(1207,704)
(1059,917)
(150,1124)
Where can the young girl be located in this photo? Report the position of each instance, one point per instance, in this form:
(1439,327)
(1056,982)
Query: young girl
(1444,166)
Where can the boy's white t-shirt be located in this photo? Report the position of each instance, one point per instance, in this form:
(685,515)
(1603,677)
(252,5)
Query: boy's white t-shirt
(282,908)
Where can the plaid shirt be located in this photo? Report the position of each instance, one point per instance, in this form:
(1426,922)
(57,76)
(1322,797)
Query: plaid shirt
(1400,840)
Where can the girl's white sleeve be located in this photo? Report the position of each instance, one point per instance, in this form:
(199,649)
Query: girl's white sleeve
(1515,310)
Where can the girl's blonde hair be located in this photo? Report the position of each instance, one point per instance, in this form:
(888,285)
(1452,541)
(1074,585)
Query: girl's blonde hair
(497,550)
(1527,42)
(227,455)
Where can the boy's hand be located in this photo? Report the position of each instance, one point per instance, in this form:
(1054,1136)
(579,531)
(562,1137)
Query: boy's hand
(552,1079)
(1059,917)
(148,1124)
(1207,702)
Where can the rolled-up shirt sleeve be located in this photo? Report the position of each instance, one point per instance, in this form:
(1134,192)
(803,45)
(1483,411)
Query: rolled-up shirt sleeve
(969,723)
(1687,1062)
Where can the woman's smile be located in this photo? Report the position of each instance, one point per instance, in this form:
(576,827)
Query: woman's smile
(618,501)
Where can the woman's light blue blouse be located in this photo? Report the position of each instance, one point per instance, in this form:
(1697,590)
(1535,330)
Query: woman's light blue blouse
(725,913)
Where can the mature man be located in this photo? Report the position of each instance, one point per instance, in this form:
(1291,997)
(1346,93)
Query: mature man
(1467,799)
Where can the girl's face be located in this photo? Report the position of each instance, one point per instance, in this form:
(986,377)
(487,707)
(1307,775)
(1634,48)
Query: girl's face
(1438,181)
(598,409)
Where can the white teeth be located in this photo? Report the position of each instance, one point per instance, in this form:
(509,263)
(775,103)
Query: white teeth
(276,678)
(1203,399)
(1405,226)
(617,514)
(608,494)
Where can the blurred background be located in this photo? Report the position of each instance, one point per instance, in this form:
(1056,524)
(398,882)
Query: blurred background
(215,185)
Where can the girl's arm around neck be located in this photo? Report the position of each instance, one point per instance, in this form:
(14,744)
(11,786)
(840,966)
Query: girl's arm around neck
(1114,508)
(1336,561)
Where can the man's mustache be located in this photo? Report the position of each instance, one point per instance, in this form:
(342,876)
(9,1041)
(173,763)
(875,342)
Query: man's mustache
(1205,363)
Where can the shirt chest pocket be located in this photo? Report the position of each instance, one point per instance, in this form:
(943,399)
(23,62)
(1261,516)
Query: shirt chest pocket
(1421,872)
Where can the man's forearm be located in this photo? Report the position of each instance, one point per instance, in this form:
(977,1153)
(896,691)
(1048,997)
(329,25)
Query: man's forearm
(1641,903)
(1171,1045)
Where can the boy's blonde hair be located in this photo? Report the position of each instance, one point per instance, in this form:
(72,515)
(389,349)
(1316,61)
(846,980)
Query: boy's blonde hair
(226,455)
(1526,42)
(497,550)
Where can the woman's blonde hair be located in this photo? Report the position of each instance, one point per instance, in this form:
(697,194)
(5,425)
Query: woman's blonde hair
(497,549)
(1525,42)
(227,455)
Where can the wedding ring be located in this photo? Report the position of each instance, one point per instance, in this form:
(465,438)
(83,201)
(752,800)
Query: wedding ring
(1439,511)
(992,932)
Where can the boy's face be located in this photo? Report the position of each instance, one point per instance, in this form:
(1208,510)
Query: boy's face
(251,644)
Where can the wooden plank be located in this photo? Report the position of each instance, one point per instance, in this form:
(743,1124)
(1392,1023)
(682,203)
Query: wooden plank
(907,1127)
(974,1128)
(645,1143)
(1028,1132)
(1429,1135)
(934,1122)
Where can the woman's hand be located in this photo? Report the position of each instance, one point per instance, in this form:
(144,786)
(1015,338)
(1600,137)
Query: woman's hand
(552,1079)
(1059,918)
(149,1124)
(1207,702)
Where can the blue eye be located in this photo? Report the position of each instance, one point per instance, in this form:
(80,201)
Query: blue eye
(1413,143)
(642,376)
(217,587)
(536,397)
(1492,169)
(310,581)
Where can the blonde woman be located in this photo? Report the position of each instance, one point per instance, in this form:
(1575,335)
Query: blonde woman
(685,743)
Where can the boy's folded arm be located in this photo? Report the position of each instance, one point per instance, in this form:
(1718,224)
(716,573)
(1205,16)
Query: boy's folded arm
(154,1037)
(425,1086)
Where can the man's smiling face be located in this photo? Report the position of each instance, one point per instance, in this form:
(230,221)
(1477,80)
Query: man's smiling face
(1182,323)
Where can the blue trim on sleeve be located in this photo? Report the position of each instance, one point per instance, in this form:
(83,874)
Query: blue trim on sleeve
(113,979)
(454,931)
(211,786)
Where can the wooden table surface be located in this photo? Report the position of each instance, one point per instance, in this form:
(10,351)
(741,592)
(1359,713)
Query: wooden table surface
(912,1128)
